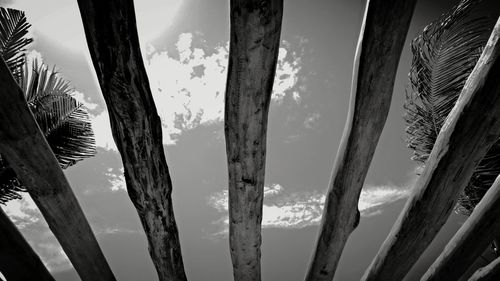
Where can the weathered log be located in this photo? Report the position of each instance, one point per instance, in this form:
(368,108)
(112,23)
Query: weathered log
(110,28)
(24,146)
(254,44)
(491,272)
(471,239)
(470,129)
(18,261)
(381,40)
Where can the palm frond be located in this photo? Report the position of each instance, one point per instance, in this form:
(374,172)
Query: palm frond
(13,28)
(61,118)
(444,55)
(9,184)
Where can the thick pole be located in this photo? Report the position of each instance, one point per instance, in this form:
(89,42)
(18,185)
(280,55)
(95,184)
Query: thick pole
(110,28)
(470,129)
(24,146)
(254,44)
(380,44)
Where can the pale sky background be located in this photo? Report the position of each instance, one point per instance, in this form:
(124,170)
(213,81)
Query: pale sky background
(185,48)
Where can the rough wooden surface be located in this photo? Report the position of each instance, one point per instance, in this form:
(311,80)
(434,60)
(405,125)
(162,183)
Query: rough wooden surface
(470,129)
(491,272)
(471,239)
(110,28)
(381,40)
(254,44)
(18,261)
(24,146)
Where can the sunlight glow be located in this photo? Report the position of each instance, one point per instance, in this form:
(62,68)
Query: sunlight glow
(60,21)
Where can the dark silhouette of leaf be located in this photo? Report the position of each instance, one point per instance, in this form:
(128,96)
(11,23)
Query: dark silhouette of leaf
(444,55)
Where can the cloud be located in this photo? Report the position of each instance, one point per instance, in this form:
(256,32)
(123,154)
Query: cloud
(116,179)
(289,210)
(188,85)
(31,224)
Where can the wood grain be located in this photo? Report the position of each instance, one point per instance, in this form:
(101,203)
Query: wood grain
(254,44)
(111,32)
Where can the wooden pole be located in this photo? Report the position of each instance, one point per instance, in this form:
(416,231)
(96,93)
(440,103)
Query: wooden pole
(253,55)
(110,28)
(380,44)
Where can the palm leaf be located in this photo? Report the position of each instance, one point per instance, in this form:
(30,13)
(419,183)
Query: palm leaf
(64,121)
(13,28)
(444,55)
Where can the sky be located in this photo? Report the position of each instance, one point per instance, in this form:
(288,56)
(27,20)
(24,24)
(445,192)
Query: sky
(185,48)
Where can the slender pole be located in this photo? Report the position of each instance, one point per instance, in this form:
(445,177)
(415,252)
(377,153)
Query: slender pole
(380,44)
(253,55)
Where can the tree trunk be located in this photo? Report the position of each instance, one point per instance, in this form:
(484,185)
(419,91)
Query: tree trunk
(24,146)
(255,37)
(491,272)
(18,261)
(471,239)
(110,28)
(381,40)
(470,129)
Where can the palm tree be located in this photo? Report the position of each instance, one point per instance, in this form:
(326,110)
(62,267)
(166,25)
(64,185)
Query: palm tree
(444,55)
(470,130)
(65,125)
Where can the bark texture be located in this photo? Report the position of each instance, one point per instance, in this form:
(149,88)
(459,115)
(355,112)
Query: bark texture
(110,28)
(381,40)
(254,44)
(18,261)
(24,146)
(470,129)
(470,240)
(491,272)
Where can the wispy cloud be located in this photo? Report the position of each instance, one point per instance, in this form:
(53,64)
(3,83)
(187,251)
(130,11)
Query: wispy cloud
(285,209)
